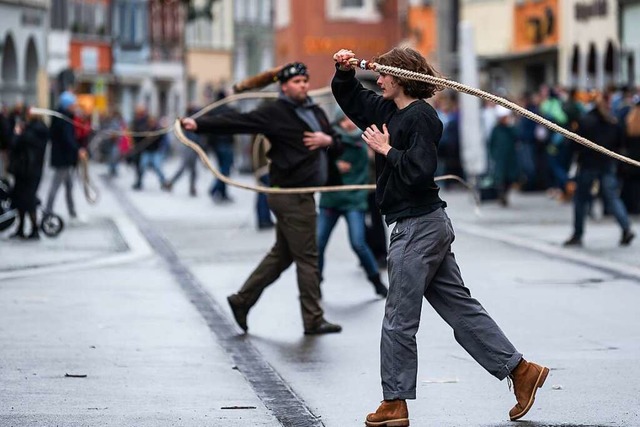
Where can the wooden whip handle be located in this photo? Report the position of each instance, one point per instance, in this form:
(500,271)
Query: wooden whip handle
(258,81)
(362,63)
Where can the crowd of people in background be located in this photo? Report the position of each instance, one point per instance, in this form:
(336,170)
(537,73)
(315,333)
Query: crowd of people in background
(525,155)
(521,154)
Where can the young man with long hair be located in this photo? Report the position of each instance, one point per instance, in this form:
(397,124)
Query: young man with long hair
(404,131)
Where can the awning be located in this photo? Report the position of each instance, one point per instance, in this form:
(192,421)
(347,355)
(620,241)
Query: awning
(533,54)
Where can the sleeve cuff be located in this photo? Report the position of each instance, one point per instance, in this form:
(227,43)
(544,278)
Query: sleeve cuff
(344,75)
(393,156)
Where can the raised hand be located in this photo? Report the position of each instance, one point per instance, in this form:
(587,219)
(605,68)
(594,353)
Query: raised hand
(342,57)
(378,141)
(189,124)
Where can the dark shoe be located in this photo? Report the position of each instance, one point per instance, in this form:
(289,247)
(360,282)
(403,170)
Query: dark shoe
(239,313)
(33,236)
(17,235)
(167,186)
(527,378)
(137,187)
(573,241)
(324,328)
(193,192)
(390,413)
(380,287)
(627,237)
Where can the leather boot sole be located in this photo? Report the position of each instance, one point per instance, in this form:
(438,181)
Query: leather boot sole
(398,422)
(539,382)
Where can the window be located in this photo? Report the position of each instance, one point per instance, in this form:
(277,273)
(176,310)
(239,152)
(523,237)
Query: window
(282,13)
(131,23)
(358,10)
(59,15)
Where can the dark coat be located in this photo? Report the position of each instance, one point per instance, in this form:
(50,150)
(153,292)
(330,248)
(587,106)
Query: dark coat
(5,132)
(64,147)
(27,159)
(292,163)
(598,129)
(356,154)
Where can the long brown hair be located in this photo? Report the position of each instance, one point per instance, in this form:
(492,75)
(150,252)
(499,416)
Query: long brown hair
(410,59)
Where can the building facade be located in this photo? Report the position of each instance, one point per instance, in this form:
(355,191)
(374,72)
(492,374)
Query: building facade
(520,52)
(312,31)
(209,41)
(23,52)
(131,52)
(630,42)
(589,54)
(253,37)
(148,57)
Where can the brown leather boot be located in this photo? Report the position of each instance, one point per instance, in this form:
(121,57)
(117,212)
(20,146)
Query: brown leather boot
(390,413)
(527,378)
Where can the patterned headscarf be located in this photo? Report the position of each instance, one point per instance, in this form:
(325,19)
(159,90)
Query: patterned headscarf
(291,70)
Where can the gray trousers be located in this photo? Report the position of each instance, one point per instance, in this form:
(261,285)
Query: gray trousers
(421,265)
(62,175)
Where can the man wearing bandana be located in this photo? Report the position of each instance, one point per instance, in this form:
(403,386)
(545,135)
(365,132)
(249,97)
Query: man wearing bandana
(303,151)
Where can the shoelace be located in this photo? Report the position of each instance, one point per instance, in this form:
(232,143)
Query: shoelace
(510,382)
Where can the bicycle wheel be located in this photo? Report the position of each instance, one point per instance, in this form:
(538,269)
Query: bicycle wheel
(51,224)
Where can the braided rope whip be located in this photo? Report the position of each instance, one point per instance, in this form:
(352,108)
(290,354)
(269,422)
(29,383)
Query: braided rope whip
(178,131)
(177,128)
(438,81)
(91,193)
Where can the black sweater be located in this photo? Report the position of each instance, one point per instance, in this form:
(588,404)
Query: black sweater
(405,185)
(292,163)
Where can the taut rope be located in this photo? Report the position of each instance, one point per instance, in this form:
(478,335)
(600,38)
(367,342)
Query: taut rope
(177,128)
(438,81)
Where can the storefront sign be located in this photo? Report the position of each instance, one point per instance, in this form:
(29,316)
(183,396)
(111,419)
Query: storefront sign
(536,24)
(596,8)
(31,19)
(422,29)
(329,45)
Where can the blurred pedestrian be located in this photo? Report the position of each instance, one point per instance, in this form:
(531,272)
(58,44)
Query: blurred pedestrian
(552,109)
(82,123)
(222,146)
(152,155)
(117,131)
(376,230)
(302,154)
(65,153)
(630,175)
(599,126)
(449,160)
(260,165)
(139,125)
(502,153)
(532,146)
(189,162)
(404,131)
(6,135)
(27,159)
(353,164)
